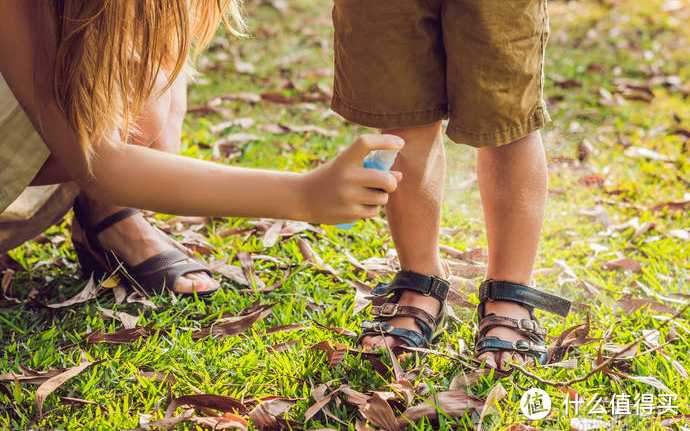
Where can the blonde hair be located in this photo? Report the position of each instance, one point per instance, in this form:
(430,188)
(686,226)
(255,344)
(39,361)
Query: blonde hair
(110,52)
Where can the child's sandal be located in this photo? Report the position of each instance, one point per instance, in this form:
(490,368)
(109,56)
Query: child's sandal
(528,297)
(385,307)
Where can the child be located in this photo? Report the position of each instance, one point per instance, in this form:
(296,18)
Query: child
(404,65)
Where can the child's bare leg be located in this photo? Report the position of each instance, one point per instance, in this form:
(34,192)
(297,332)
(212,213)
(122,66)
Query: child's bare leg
(414,214)
(513,186)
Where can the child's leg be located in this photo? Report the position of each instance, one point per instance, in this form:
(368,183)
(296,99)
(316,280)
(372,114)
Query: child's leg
(414,214)
(512,182)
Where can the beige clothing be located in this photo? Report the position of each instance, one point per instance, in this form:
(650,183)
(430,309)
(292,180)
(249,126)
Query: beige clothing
(22,153)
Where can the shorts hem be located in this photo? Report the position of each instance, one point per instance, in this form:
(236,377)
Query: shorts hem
(387,121)
(536,121)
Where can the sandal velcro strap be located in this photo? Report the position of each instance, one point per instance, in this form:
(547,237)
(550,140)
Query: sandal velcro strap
(524,326)
(524,295)
(389,310)
(527,347)
(428,285)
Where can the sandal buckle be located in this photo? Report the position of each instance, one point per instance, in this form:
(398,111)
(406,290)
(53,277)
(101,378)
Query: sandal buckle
(522,346)
(525,325)
(388,309)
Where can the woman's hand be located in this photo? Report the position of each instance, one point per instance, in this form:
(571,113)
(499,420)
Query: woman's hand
(342,190)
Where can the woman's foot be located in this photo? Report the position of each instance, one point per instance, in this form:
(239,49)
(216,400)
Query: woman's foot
(135,240)
(508,309)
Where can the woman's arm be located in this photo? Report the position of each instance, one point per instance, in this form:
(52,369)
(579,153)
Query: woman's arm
(143,178)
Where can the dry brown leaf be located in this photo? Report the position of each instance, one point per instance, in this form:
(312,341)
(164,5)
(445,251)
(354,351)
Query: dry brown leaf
(89,292)
(232,272)
(379,412)
(672,206)
(321,398)
(242,97)
(282,346)
(245,259)
(338,330)
(335,354)
(284,328)
(165,423)
(120,337)
(128,321)
(496,394)
(466,269)
(159,377)
(221,423)
(265,414)
(235,325)
(55,382)
(453,403)
(221,403)
(629,305)
(136,297)
(272,234)
(31,376)
(623,264)
(465,381)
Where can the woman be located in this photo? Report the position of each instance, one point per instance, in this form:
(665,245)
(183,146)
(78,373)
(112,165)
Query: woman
(93,76)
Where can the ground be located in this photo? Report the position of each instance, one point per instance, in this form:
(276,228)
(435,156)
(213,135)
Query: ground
(616,241)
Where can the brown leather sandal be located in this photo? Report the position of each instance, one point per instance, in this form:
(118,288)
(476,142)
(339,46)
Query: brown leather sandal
(153,275)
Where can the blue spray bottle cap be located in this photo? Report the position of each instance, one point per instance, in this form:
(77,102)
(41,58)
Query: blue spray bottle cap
(383,161)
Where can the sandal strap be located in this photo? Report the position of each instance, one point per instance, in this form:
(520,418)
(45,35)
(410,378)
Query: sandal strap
(390,309)
(112,219)
(529,297)
(524,326)
(161,271)
(429,285)
(411,338)
(533,348)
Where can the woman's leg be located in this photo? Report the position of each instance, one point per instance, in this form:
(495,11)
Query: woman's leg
(159,126)
(513,186)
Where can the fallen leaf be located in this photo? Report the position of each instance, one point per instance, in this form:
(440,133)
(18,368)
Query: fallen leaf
(221,403)
(235,325)
(629,305)
(128,321)
(379,412)
(165,423)
(265,414)
(50,385)
(273,233)
(88,292)
(462,380)
(671,206)
(321,401)
(242,97)
(496,394)
(245,259)
(221,423)
(335,354)
(120,337)
(232,272)
(645,153)
(624,264)
(453,403)
(31,376)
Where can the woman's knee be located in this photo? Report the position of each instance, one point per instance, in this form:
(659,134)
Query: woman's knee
(152,120)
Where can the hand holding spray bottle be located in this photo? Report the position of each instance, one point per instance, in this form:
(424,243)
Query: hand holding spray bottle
(381,160)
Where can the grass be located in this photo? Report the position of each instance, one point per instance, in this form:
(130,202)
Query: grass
(592,45)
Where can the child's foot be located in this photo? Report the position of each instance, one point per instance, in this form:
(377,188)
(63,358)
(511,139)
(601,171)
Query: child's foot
(426,303)
(508,309)
(411,298)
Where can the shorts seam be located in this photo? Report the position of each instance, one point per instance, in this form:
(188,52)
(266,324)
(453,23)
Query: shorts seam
(534,116)
(440,108)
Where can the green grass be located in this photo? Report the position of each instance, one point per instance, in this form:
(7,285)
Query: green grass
(624,39)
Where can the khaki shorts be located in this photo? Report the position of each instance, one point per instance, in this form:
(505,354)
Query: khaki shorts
(405,63)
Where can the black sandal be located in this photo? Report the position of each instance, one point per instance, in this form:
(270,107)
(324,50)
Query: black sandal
(385,307)
(152,275)
(528,297)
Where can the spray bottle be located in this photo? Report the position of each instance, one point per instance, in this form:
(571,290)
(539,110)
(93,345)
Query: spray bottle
(381,160)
